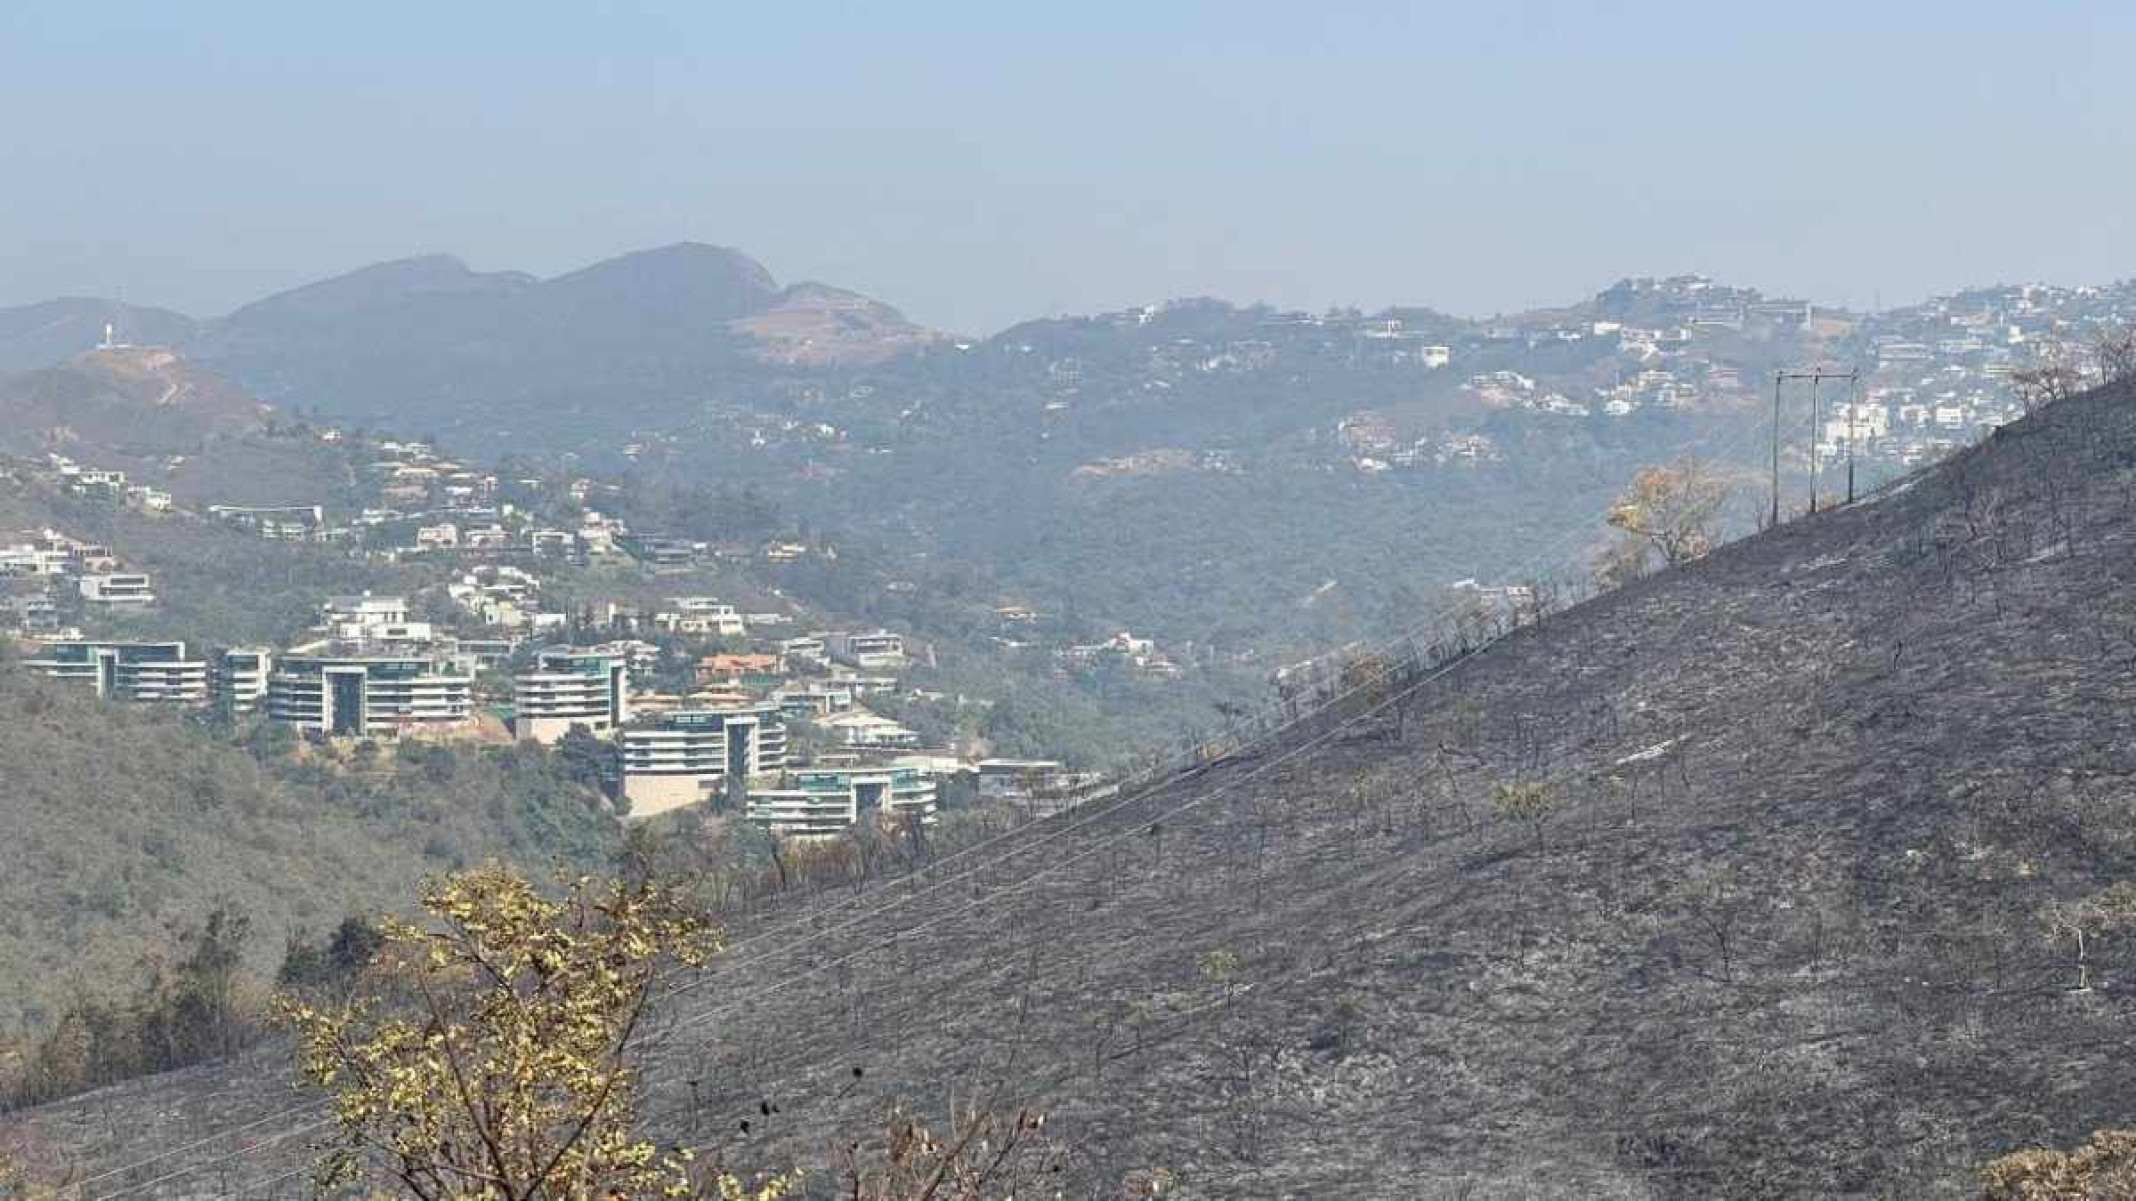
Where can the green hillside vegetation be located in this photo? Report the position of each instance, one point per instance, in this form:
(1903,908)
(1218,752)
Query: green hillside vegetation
(123,828)
(215,586)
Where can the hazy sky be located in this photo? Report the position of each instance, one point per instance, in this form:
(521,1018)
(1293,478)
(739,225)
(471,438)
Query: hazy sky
(976,164)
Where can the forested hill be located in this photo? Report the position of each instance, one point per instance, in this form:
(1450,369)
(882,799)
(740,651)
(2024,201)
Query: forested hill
(1735,882)
(122,828)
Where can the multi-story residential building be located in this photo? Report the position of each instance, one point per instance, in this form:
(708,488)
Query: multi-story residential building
(858,727)
(689,755)
(702,615)
(154,500)
(699,625)
(876,648)
(88,558)
(571,687)
(1018,779)
(35,611)
(241,674)
(748,669)
(550,541)
(99,479)
(657,551)
(359,692)
(355,616)
(811,701)
(824,802)
(150,672)
(119,589)
(49,555)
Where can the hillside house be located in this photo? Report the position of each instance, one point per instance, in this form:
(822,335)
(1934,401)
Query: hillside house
(119,589)
(873,649)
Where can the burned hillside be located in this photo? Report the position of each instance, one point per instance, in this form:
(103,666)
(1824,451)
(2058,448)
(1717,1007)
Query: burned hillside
(1745,880)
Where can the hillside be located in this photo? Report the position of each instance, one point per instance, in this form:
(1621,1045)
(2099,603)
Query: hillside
(816,325)
(1783,936)
(1392,453)
(51,332)
(128,400)
(121,826)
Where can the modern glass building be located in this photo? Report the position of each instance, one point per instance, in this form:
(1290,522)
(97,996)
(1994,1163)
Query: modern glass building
(151,672)
(570,687)
(358,695)
(688,755)
(823,802)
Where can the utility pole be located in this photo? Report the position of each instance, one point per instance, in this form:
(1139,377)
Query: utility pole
(1816,376)
(1777,377)
(1816,419)
(1854,416)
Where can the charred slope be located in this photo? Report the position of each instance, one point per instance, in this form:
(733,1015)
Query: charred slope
(1782,936)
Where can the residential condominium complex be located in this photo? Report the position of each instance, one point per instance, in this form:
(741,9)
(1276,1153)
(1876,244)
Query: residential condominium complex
(358,693)
(824,802)
(690,754)
(571,687)
(154,672)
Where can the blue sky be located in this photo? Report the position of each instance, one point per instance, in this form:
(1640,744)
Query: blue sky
(977,164)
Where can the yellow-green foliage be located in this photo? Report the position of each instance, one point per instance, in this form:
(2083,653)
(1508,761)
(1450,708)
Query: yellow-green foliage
(1525,800)
(503,1068)
(2103,1169)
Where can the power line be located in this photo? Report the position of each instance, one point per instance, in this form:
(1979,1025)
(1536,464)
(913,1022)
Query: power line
(1152,775)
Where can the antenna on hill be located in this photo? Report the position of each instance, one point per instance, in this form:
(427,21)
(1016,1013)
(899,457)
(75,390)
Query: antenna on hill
(110,337)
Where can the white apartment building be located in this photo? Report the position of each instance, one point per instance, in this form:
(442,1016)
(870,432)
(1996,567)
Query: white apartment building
(823,802)
(873,649)
(364,693)
(146,672)
(690,754)
(363,610)
(571,687)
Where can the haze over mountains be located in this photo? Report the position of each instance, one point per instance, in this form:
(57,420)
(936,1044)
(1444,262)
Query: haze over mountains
(1141,469)
(676,300)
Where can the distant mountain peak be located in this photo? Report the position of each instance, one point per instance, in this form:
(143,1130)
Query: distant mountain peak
(816,324)
(690,281)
